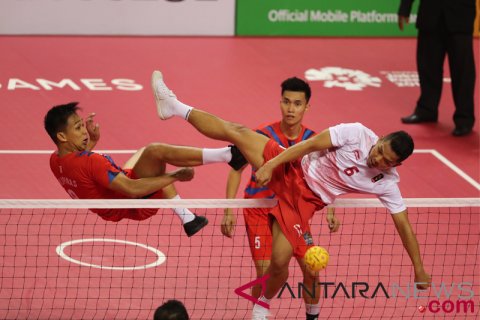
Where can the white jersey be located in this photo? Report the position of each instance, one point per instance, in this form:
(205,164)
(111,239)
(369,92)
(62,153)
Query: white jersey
(344,169)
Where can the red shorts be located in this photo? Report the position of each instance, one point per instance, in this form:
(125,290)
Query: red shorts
(116,215)
(259,233)
(296,202)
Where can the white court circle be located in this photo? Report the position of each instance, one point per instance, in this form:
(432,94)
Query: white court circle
(160,255)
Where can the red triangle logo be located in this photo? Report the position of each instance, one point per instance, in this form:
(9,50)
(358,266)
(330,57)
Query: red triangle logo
(263,281)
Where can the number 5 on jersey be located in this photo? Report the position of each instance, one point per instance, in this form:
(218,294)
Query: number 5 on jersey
(257,242)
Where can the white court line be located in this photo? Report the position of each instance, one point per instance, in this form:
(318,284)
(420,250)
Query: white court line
(433,152)
(449,164)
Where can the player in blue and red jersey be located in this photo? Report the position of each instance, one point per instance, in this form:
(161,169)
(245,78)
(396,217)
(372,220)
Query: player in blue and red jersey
(85,174)
(295,97)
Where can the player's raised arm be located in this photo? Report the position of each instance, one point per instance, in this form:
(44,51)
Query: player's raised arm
(321,141)
(93,130)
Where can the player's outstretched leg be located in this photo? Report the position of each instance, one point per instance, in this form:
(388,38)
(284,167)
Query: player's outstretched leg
(282,253)
(151,161)
(250,143)
(310,291)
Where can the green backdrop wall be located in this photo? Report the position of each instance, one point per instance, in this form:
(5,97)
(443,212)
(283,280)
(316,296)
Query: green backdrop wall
(321,18)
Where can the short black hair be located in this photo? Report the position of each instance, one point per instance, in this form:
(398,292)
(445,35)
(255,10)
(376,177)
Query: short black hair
(298,85)
(401,143)
(171,310)
(57,117)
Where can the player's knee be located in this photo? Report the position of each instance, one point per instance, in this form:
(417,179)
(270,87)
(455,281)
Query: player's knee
(156,150)
(279,267)
(279,272)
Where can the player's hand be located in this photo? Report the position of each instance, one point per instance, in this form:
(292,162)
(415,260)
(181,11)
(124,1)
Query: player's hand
(333,222)
(228,223)
(402,21)
(423,280)
(93,128)
(184,174)
(264,174)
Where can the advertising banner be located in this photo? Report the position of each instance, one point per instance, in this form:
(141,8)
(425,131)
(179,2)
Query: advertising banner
(117,17)
(321,18)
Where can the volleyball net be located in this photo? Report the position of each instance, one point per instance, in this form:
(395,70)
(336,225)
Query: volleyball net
(58,260)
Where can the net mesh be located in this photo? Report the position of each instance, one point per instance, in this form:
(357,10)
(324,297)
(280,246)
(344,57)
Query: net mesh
(60,261)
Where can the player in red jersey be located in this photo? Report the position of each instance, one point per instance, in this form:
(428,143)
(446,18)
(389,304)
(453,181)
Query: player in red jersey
(85,174)
(294,103)
(339,160)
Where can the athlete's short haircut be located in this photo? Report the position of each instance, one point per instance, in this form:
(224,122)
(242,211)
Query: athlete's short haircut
(171,310)
(298,85)
(56,118)
(401,143)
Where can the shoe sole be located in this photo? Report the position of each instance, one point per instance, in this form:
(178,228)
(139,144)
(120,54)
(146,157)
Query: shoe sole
(157,75)
(462,134)
(199,227)
(419,122)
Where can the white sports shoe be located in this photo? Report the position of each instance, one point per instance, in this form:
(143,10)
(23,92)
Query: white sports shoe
(260,313)
(162,95)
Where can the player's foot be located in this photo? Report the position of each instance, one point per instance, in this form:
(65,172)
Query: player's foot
(163,96)
(195,225)
(238,160)
(260,313)
(312,316)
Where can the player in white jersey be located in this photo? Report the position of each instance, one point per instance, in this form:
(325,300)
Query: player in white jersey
(350,158)
(344,168)
(356,151)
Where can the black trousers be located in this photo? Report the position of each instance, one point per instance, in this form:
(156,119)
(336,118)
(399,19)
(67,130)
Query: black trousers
(432,46)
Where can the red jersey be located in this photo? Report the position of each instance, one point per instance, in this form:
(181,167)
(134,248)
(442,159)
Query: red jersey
(274,132)
(87,175)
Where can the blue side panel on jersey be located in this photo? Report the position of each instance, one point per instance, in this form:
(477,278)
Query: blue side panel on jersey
(111,162)
(307,134)
(253,191)
(274,135)
(111,175)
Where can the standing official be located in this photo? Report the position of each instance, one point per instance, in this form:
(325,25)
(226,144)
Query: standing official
(445,27)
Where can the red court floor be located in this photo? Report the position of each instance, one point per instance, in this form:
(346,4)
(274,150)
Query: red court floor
(235,78)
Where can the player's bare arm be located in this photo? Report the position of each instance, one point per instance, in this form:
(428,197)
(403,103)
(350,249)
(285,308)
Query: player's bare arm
(137,188)
(410,243)
(93,130)
(229,220)
(321,141)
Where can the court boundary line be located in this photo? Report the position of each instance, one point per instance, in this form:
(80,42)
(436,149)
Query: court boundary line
(433,152)
(451,166)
